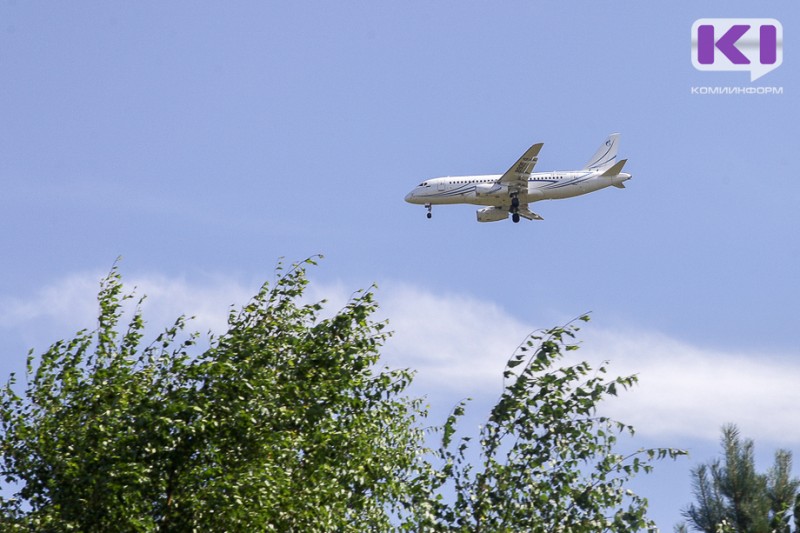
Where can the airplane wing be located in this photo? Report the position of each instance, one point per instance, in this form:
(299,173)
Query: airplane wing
(525,213)
(517,176)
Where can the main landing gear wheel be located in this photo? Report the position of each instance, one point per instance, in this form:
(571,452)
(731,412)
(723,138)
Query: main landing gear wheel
(429,207)
(514,208)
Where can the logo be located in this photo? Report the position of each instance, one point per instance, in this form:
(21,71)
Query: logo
(754,45)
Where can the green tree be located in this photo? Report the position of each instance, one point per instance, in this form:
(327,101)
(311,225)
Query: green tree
(286,422)
(732,497)
(546,459)
(283,424)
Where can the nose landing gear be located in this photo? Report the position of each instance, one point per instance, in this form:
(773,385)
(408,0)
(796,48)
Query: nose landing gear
(429,207)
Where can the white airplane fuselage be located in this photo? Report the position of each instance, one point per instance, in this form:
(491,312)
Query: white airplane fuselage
(510,193)
(484,190)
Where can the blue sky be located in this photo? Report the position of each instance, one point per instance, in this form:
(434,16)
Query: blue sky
(203,141)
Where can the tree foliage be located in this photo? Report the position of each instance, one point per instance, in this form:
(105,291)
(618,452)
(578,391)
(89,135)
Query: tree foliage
(732,497)
(546,459)
(286,422)
(282,424)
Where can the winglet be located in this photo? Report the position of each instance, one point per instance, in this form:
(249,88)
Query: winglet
(616,169)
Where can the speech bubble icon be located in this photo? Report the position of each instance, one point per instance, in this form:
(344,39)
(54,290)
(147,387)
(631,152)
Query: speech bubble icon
(753,45)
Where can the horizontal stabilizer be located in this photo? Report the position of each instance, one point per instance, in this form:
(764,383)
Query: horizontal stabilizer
(619,185)
(616,169)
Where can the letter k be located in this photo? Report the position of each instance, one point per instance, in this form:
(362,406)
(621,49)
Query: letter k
(726,44)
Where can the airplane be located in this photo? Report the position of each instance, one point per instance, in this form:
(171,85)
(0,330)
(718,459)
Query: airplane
(510,193)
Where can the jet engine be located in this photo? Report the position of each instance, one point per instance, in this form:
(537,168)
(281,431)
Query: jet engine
(492,214)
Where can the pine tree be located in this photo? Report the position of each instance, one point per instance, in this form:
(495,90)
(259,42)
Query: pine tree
(731,496)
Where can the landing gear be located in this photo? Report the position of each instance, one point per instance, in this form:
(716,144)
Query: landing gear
(429,207)
(514,208)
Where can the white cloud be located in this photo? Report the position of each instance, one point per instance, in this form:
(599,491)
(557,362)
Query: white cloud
(209,303)
(68,301)
(71,303)
(454,342)
(459,346)
(691,391)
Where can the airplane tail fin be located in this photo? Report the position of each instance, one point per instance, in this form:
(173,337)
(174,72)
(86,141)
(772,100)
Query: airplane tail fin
(606,155)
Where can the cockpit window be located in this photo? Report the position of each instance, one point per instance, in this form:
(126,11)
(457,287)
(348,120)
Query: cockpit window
(423,184)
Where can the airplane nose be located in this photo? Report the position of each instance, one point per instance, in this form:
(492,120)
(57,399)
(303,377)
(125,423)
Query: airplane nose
(409,197)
